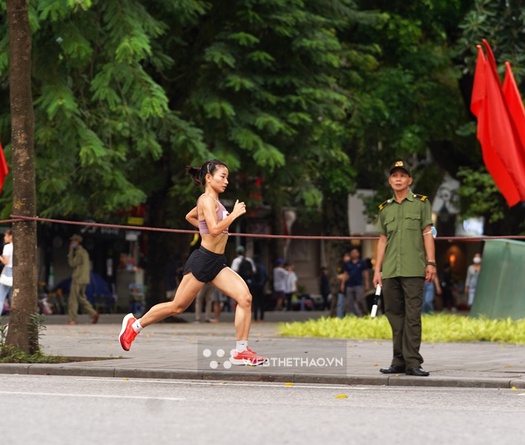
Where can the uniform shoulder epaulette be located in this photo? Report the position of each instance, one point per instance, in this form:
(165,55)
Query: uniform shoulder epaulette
(421,197)
(383,205)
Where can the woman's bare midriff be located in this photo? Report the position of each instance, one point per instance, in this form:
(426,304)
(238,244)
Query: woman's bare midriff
(215,244)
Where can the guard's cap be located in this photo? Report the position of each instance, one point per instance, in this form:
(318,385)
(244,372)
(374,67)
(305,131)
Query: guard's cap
(76,237)
(240,249)
(402,165)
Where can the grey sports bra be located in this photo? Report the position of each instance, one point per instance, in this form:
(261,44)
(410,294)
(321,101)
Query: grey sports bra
(221,214)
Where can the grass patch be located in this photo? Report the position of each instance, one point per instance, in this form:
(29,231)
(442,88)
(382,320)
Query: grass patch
(437,328)
(10,354)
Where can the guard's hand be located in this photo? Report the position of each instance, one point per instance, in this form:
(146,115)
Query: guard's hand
(430,273)
(377,279)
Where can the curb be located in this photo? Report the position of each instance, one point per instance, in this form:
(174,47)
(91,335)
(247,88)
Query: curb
(141,373)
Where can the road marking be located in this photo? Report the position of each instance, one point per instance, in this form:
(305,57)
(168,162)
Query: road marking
(95,396)
(224,383)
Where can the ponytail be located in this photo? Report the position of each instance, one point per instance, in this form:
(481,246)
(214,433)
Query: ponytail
(199,174)
(195,175)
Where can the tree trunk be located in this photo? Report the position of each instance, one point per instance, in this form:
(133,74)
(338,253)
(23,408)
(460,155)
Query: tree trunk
(23,331)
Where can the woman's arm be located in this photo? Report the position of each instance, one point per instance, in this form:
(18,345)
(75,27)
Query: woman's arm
(209,211)
(192,217)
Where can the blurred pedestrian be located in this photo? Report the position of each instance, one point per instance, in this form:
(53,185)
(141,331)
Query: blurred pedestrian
(217,302)
(78,260)
(472,278)
(280,275)
(431,289)
(447,287)
(342,278)
(204,297)
(324,286)
(244,266)
(290,291)
(357,283)
(258,284)
(6,278)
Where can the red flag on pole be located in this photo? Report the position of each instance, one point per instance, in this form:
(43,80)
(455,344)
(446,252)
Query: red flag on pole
(514,105)
(3,168)
(492,132)
(502,147)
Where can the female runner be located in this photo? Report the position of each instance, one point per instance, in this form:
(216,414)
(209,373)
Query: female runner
(206,264)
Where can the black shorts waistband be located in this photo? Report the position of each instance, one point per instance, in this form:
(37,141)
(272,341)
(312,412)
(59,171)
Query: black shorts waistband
(209,252)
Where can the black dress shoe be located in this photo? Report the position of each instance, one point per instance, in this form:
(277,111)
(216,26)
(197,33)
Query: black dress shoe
(418,372)
(393,370)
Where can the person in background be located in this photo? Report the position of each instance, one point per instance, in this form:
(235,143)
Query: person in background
(405,260)
(358,282)
(447,286)
(217,298)
(342,278)
(280,275)
(291,285)
(6,258)
(258,283)
(324,286)
(204,297)
(244,266)
(78,260)
(472,278)
(431,289)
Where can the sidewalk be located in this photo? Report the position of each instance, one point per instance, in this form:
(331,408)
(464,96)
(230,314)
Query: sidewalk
(187,350)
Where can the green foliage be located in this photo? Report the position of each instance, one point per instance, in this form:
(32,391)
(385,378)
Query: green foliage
(127,92)
(436,328)
(479,194)
(12,354)
(103,121)
(406,96)
(315,98)
(501,24)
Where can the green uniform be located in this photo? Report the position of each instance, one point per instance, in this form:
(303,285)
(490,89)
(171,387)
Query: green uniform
(403,223)
(403,273)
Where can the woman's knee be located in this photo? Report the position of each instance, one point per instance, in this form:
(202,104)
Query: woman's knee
(176,308)
(244,300)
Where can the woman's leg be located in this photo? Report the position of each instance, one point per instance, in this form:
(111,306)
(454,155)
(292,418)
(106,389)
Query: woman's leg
(228,282)
(198,304)
(186,292)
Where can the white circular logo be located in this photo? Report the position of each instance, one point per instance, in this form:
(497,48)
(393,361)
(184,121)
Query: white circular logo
(219,353)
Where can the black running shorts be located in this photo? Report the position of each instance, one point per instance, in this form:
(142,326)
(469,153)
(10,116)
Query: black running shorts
(205,265)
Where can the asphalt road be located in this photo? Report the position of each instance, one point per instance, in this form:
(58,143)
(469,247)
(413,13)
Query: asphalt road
(88,410)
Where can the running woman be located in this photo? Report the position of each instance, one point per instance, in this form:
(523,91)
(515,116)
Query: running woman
(206,265)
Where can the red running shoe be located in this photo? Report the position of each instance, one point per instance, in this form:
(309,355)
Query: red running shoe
(127,333)
(247,358)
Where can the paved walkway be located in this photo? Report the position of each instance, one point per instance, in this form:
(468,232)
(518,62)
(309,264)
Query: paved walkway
(187,350)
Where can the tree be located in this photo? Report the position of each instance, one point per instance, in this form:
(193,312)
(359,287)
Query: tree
(22,332)
(255,83)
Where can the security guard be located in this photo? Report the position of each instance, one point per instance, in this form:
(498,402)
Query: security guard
(405,259)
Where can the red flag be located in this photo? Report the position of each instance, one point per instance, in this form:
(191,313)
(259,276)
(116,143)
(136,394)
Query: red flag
(495,132)
(514,105)
(3,168)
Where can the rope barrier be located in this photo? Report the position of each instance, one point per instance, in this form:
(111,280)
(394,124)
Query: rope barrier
(19,218)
